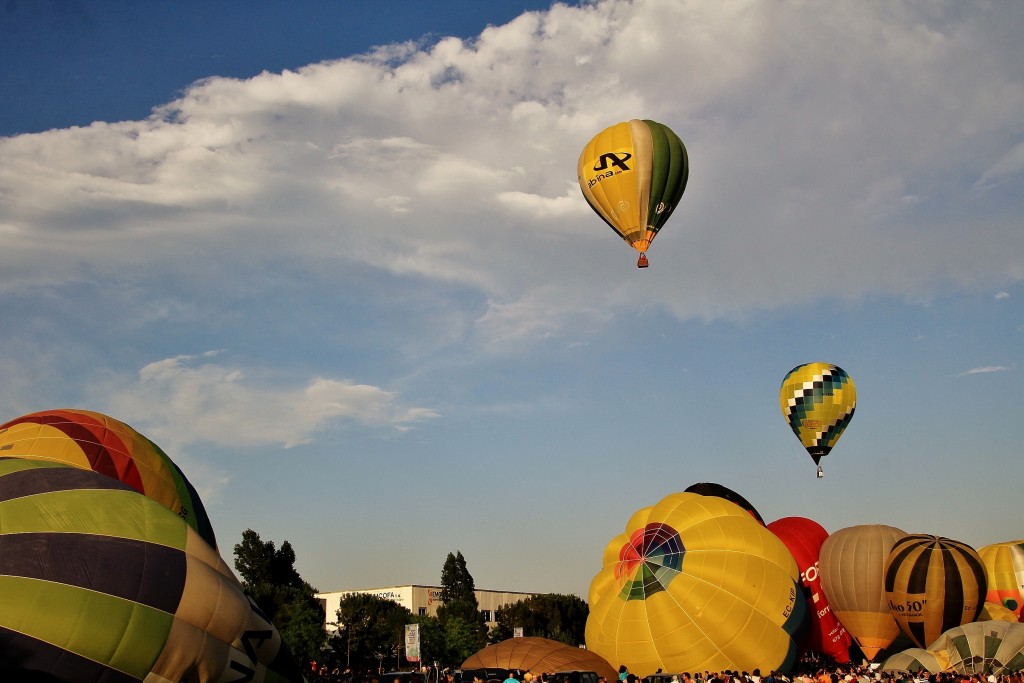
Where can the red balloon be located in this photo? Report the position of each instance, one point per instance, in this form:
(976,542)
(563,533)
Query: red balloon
(826,635)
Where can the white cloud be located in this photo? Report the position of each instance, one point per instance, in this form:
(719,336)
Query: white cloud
(187,400)
(813,176)
(1002,295)
(985,369)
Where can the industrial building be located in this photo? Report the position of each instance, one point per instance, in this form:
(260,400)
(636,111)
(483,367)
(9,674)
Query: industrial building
(421,600)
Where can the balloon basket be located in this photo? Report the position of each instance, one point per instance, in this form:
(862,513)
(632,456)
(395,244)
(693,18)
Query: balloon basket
(821,472)
(642,261)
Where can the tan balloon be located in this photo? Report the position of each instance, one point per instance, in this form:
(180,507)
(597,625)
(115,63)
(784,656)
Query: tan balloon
(852,566)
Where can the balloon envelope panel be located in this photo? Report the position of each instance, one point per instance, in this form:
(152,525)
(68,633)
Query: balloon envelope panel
(695,583)
(100,443)
(852,565)
(933,584)
(101,583)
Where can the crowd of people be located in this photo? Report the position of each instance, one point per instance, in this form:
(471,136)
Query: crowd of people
(807,671)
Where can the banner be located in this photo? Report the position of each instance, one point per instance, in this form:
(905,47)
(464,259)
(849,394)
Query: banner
(412,642)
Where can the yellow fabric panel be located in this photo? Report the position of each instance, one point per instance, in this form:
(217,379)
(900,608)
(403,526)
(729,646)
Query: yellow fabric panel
(609,178)
(41,442)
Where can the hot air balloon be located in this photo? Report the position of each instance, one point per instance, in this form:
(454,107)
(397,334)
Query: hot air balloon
(695,583)
(852,564)
(818,401)
(933,584)
(707,488)
(93,441)
(536,655)
(1004,569)
(983,647)
(917,659)
(101,583)
(804,537)
(633,175)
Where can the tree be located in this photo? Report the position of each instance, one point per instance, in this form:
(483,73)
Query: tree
(554,616)
(465,630)
(269,577)
(368,626)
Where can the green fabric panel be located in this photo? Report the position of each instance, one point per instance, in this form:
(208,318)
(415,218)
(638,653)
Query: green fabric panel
(670,172)
(8,465)
(119,633)
(94,511)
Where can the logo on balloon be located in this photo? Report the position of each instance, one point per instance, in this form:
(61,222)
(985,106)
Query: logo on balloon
(649,561)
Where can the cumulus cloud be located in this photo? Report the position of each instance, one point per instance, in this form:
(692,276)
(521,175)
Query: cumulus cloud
(813,176)
(193,399)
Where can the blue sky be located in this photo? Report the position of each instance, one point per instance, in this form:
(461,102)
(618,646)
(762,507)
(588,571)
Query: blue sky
(333,258)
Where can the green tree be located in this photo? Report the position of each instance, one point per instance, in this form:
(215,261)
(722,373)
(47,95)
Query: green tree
(368,626)
(271,580)
(554,616)
(465,630)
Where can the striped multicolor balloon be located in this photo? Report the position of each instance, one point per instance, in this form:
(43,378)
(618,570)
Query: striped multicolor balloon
(818,401)
(933,584)
(100,583)
(93,441)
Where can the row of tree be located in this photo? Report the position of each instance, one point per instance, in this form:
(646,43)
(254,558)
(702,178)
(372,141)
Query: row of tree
(371,630)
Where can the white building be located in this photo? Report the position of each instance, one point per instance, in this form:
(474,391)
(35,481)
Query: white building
(421,600)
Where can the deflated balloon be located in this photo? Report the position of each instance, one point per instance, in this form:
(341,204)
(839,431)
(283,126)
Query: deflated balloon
(93,441)
(633,175)
(933,584)
(804,537)
(1004,570)
(983,647)
(695,583)
(852,564)
(818,401)
(100,583)
(536,655)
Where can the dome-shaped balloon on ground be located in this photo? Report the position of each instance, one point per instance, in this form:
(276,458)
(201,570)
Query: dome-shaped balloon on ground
(1004,571)
(983,648)
(695,583)
(96,442)
(824,634)
(538,655)
(933,584)
(102,583)
(852,565)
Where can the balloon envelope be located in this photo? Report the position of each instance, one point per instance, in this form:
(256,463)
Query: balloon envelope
(93,441)
(633,175)
(101,583)
(707,488)
(1004,570)
(852,564)
(804,537)
(538,655)
(933,584)
(983,647)
(818,401)
(695,583)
